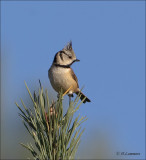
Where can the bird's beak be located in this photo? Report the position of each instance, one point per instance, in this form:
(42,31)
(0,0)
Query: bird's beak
(77,60)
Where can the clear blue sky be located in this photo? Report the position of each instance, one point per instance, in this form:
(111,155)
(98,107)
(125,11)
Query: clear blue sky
(109,39)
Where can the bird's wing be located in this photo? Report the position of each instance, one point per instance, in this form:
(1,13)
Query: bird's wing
(74,76)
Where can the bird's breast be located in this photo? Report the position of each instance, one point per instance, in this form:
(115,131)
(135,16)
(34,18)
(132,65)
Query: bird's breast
(61,78)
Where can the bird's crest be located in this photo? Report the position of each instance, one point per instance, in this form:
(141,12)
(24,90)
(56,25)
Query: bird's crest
(68,46)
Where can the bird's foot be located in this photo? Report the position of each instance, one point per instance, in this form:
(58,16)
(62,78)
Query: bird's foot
(58,95)
(70,95)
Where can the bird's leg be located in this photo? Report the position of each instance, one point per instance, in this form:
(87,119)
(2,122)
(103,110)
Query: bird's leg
(70,94)
(58,95)
(69,98)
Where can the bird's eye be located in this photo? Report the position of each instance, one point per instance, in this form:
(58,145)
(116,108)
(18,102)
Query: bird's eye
(70,57)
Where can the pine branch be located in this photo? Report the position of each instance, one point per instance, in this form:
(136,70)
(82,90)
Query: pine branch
(56,136)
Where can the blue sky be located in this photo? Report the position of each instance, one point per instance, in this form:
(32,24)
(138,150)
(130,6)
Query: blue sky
(108,38)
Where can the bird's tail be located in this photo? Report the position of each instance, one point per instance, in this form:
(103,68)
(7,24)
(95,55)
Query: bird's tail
(83,97)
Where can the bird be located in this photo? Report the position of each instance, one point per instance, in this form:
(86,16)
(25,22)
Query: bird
(61,74)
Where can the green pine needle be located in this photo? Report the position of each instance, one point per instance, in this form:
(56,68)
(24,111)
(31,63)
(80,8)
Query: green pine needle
(56,136)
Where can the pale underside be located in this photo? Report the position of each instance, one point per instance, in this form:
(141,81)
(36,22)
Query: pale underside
(63,78)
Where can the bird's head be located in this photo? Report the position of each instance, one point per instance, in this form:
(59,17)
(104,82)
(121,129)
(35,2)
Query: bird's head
(66,56)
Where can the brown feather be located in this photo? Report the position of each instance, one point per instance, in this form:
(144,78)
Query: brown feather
(74,76)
